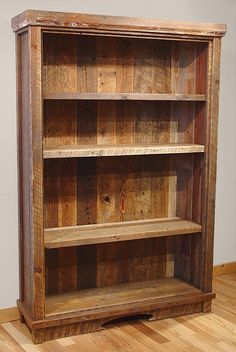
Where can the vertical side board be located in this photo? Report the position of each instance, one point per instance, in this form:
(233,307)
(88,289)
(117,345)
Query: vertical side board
(30,170)
(210,163)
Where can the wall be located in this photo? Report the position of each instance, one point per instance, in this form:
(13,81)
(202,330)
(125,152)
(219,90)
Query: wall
(222,11)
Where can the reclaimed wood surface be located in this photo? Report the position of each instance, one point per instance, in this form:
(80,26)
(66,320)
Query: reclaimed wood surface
(214,331)
(30,171)
(103,22)
(123,96)
(124,294)
(91,234)
(115,94)
(81,151)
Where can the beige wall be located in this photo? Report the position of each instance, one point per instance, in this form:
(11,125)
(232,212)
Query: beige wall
(223,11)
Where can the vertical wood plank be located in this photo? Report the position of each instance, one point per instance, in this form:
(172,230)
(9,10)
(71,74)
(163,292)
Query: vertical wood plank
(183,80)
(59,64)
(161,66)
(106,61)
(106,176)
(87,214)
(86,122)
(201,68)
(125,122)
(60,128)
(22,64)
(210,162)
(36,168)
(124,65)
(87,64)
(183,67)
(143,66)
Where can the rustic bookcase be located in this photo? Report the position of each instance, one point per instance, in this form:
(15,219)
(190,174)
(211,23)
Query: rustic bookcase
(117,139)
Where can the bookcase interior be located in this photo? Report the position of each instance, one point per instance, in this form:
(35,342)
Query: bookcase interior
(100,64)
(122,189)
(114,190)
(71,122)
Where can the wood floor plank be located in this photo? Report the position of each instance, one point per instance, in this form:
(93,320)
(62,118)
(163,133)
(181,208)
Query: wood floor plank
(212,332)
(7,342)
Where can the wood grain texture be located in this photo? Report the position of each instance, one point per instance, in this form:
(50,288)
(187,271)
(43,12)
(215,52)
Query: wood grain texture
(30,168)
(226,268)
(9,314)
(118,295)
(36,201)
(124,96)
(22,59)
(136,124)
(127,99)
(214,331)
(60,208)
(210,173)
(92,234)
(109,185)
(75,20)
(105,150)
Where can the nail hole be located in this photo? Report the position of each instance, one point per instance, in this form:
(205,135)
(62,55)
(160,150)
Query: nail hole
(106,199)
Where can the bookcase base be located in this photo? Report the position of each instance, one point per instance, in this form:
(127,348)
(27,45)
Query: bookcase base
(45,330)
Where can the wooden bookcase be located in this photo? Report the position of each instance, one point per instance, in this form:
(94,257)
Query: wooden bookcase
(117,138)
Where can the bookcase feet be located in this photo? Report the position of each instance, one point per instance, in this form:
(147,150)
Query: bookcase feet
(206,307)
(21,318)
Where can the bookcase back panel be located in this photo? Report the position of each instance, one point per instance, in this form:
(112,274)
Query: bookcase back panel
(122,122)
(90,64)
(103,190)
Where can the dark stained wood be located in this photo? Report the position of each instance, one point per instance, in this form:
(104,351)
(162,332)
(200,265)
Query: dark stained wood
(106,229)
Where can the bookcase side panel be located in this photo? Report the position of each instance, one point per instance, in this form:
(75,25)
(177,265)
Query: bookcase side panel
(30,162)
(208,209)
(24,172)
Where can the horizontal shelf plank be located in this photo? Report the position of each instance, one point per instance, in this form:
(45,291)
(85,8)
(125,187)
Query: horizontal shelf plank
(79,151)
(123,96)
(130,294)
(117,231)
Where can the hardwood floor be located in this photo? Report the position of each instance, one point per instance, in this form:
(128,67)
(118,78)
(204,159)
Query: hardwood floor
(210,332)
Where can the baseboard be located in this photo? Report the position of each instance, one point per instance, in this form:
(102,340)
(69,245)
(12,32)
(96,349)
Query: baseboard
(226,268)
(9,314)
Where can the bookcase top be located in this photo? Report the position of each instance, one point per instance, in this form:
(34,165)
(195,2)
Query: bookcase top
(115,24)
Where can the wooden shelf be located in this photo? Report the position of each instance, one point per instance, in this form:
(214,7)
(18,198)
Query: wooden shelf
(124,96)
(119,231)
(79,151)
(114,296)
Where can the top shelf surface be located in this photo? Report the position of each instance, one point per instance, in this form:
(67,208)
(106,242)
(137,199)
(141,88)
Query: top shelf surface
(116,24)
(124,96)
